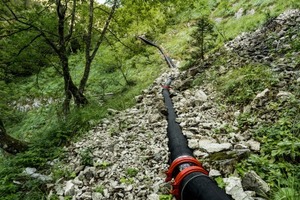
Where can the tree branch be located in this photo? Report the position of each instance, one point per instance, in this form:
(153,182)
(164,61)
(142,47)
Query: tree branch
(68,37)
(26,23)
(27,45)
(51,43)
(104,29)
(88,41)
(15,32)
(119,40)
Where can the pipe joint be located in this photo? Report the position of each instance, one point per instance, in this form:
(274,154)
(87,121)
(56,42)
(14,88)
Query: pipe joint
(181,160)
(177,182)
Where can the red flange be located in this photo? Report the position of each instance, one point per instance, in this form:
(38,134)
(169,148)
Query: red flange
(176,185)
(166,87)
(179,161)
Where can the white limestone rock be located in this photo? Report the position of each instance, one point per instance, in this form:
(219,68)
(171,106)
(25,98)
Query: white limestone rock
(212,147)
(234,188)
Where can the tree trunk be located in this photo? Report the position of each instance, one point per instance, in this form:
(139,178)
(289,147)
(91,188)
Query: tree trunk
(89,57)
(69,86)
(88,41)
(10,144)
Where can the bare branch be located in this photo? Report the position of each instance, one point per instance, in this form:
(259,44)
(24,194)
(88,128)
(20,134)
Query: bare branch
(90,28)
(10,10)
(57,69)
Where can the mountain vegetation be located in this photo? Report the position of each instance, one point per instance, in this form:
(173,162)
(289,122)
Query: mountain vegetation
(65,64)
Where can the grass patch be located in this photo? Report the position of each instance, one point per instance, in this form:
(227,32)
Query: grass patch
(239,86)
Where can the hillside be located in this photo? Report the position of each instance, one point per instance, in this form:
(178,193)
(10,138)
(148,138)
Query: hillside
(124,157)
(238,108)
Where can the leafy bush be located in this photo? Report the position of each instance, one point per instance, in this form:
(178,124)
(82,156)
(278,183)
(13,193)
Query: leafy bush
(287,191)
(277,162)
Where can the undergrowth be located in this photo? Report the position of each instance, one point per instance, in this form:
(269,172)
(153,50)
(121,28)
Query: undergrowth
(240,85)
(278,160)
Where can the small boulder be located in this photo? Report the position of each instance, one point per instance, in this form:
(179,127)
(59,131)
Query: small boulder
(252,181)
(200,96)
(69,189)
(283,94)
(214,173)
(212,147)
(254,145)
(235,189)
(262,94)
(153,197)
(30,170)
(193,143)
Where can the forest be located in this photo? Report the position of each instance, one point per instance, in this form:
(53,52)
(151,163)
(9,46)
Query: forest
(69,66)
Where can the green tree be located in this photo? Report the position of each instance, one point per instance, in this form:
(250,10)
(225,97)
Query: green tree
(18,23)
(89,56)
(54,22)
(204,36)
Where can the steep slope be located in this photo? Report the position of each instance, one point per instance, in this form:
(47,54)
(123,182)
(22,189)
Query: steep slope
(126,155)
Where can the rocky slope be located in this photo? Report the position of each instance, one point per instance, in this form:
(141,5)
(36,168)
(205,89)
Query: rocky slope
(125,156)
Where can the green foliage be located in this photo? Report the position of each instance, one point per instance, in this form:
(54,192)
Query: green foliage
(240,86)
(132,172)
(14,184)
(86,157)
(295,44)
(142,17)
(204,37)
(126,180)
(68,198)
(102,165)
(165,197)
(220,182)
(99,188)
(44,127)
(281,140)
(246,120)
(287,191)
(25,53)
(277,162)
(60,171)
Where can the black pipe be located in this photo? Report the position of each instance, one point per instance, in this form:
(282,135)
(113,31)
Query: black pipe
(167,58)
(177,142)
(195,185)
